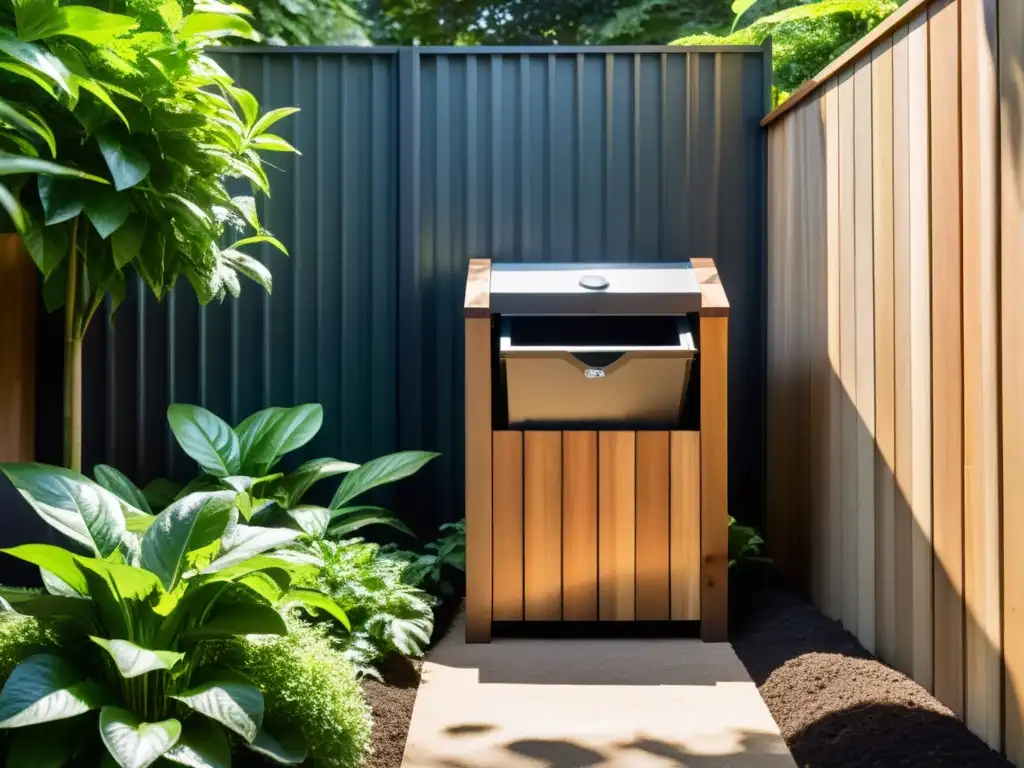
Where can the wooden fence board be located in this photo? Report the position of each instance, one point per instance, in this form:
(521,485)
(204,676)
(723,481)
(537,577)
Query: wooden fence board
(684,478)
(17,351)
(652,526)
(885,387)
(1011,174)
(579,526)
(616,456)
(947,354)
(508,526)
(542,526)
(983,626)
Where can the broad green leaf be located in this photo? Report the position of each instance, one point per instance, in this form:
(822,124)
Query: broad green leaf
(130,582)
(234,620)
(14,210)
(250,267)
(126,241)
(211,6)
(245,100)
(34,18)
(206,438)
(739,7)
(62,198)
(261,238)
(349,519)
(118,484)
(47,246)
(246,541)
(386,469)
(290,490)
(267,435)
(16,164)
(246,206)
(44,688)
(264,585)
(311,599)
(127,166)
(311,520)
(270,118)
(269,142)
(27,122)
(189,523)
(236,705)
(21,70)
(37,59)
(161,492)
(56,560)
(100,93)
(133,660)
(288,751)
(46,606)
(77,507)
(135,744)
(92,25)
(202,745)
(56,585)
(217,25)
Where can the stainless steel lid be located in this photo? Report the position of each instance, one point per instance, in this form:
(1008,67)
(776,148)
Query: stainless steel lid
(594,289)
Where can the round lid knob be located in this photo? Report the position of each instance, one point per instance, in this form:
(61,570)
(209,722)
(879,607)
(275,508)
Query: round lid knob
(594,282)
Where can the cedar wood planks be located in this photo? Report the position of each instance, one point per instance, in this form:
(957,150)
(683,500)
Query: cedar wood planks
(979,115)
(1011,174)
(17,352)
(947,354)
(616,525)
(508,525)
(542,526)
(652,526)
(579,526)
(684,525)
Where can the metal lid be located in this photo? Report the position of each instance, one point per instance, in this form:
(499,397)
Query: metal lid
(594,289)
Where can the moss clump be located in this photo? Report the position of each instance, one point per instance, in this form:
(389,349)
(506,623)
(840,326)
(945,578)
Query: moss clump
(308,685)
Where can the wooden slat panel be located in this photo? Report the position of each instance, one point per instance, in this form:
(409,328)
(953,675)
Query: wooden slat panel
(947,354)
(864,293)
(903,525)
(885,388)
(542,526)
(714,492)
(579,526)
(1011,164)
(920,349)
(979,115)
(478,480)
(508,526)
(684,526)
(17,351)
(834,606)
(848,349)
(652,526)
(616,525)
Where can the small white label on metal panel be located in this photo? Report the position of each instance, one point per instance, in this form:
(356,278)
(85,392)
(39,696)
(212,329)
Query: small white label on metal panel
(594,373)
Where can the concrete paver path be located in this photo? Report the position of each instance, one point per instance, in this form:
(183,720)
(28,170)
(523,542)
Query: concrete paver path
(576,703)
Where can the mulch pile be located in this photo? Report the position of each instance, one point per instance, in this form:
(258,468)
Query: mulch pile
(391,702)
(836,705)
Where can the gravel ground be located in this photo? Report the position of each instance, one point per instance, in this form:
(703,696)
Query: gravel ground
(836,705)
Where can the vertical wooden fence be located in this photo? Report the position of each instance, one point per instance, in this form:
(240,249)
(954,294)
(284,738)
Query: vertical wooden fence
(896,351)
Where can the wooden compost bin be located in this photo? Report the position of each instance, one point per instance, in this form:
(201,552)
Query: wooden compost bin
(595,525)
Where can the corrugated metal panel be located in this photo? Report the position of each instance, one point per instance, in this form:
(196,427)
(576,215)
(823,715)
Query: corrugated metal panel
(328,332)
(579,156)
(413,161)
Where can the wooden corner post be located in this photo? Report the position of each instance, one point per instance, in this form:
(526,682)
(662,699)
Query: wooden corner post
(17,351)
(477,311)
(714,453)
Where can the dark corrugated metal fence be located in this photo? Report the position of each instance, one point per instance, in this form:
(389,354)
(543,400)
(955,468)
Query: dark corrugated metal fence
(414,161)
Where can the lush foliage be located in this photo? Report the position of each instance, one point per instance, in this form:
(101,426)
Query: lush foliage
(805,38)
(307,22)
(744,543)
(24,636)
(442,561)
(245,459)
(150,593)
(309,687)
(387,613)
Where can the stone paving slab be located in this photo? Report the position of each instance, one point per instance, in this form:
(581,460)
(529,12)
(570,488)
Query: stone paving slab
(576,703)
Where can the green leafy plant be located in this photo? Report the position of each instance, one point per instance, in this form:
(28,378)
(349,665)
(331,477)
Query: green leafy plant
(388,614)
(117,138)
(309,687)
(148,595)
(308,22)
(245,459)
(433,568)
(805,38)
(744,543)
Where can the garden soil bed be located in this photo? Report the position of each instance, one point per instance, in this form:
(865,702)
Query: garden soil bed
(835,704)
